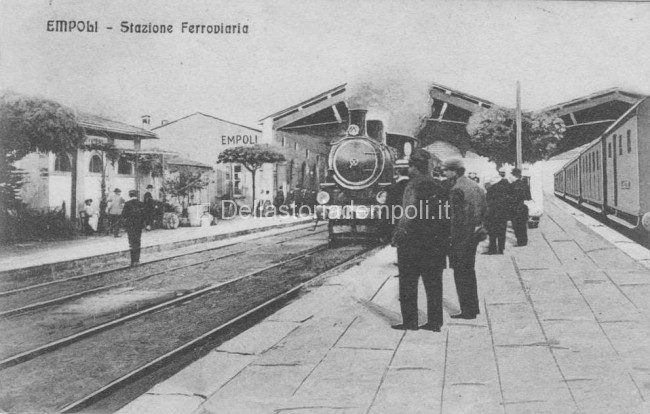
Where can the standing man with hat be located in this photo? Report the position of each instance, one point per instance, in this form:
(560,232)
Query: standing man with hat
(520,193)
(422,239)
(114,211)
(498,212)
(467,212)
(133,216)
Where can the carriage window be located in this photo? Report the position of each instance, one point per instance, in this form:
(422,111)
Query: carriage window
(95,164)
(629,141)
(62,163)
(124,167)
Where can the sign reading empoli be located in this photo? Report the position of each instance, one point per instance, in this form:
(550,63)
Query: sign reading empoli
(238,139)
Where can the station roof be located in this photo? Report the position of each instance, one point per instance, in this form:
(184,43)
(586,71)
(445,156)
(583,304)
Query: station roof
(103,127)
(186,162)
(590,116)
(462,99)
(207,116)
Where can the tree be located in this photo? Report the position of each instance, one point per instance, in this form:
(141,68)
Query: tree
(183,182)
(29,124)
(492,134)
(251,157)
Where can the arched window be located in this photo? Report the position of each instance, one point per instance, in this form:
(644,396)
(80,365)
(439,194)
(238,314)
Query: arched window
(96,164)
(303,172)
(124,166)
(62,163)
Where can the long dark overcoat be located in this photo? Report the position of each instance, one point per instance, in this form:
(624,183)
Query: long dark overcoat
(468,207)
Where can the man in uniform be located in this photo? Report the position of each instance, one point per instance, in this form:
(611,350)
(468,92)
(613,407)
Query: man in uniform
(422,244)
(133,217)
(467,213)
(520,193)
(498,211)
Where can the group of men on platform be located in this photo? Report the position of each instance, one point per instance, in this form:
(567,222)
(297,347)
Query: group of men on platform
(425,240)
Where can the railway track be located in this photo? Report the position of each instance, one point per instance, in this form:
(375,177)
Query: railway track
(68,312)
(16,301)
(129,346)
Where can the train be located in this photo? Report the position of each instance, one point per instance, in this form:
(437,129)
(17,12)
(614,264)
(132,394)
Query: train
(361,166)
(610,176)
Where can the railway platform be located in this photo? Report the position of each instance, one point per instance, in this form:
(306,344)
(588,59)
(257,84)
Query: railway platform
(563,329)
(60,258)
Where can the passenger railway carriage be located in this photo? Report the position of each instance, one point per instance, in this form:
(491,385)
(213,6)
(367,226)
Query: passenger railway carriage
(611,176)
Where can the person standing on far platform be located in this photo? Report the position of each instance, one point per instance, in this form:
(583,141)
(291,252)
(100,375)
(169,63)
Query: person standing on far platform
(467,214)
(498,211)
(114,210)
(133,217)
(422,244)
(149,207)
(520,193)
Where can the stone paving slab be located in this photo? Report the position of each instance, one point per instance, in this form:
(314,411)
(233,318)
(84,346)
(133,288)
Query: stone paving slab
(562,329)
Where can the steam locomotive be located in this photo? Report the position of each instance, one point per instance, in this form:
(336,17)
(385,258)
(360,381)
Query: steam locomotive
(361,167)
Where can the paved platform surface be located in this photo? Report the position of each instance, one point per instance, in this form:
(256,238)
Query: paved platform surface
(43,253)
(563,329)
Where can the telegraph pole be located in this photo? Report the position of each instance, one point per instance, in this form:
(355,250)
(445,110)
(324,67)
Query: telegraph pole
(519,162)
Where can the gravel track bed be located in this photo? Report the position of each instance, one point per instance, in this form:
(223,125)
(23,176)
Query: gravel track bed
(56,379)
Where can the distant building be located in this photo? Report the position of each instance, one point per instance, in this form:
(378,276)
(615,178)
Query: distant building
(48,179)
(199,138)
(301,133)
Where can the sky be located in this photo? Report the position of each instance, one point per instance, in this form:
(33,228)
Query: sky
(296,49)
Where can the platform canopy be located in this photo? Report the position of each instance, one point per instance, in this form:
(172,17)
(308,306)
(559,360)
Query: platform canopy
(326,108)
(586,118)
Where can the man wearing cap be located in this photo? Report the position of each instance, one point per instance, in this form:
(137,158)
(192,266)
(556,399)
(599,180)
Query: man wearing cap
(149,207)
(114,211)
(498,211)
(520,193)
(422,238)
(467,213)
(133,217)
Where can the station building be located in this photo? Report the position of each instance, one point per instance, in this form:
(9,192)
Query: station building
(301,132)
(47,182)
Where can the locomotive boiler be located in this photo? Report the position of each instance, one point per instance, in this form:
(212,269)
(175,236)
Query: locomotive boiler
(361,167)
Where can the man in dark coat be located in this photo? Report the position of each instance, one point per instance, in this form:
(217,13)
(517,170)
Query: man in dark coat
(498,211)
(133,220)
(520,193)
(467,214)
(422,239)
(394,201)
(149,207)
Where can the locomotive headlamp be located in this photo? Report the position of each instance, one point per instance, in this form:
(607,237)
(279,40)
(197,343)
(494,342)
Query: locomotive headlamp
(408,148)
(382,197)
(323,197)
(645,220)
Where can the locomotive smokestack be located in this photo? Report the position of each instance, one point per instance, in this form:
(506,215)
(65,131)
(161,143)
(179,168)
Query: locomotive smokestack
(376,130)
(358,118)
